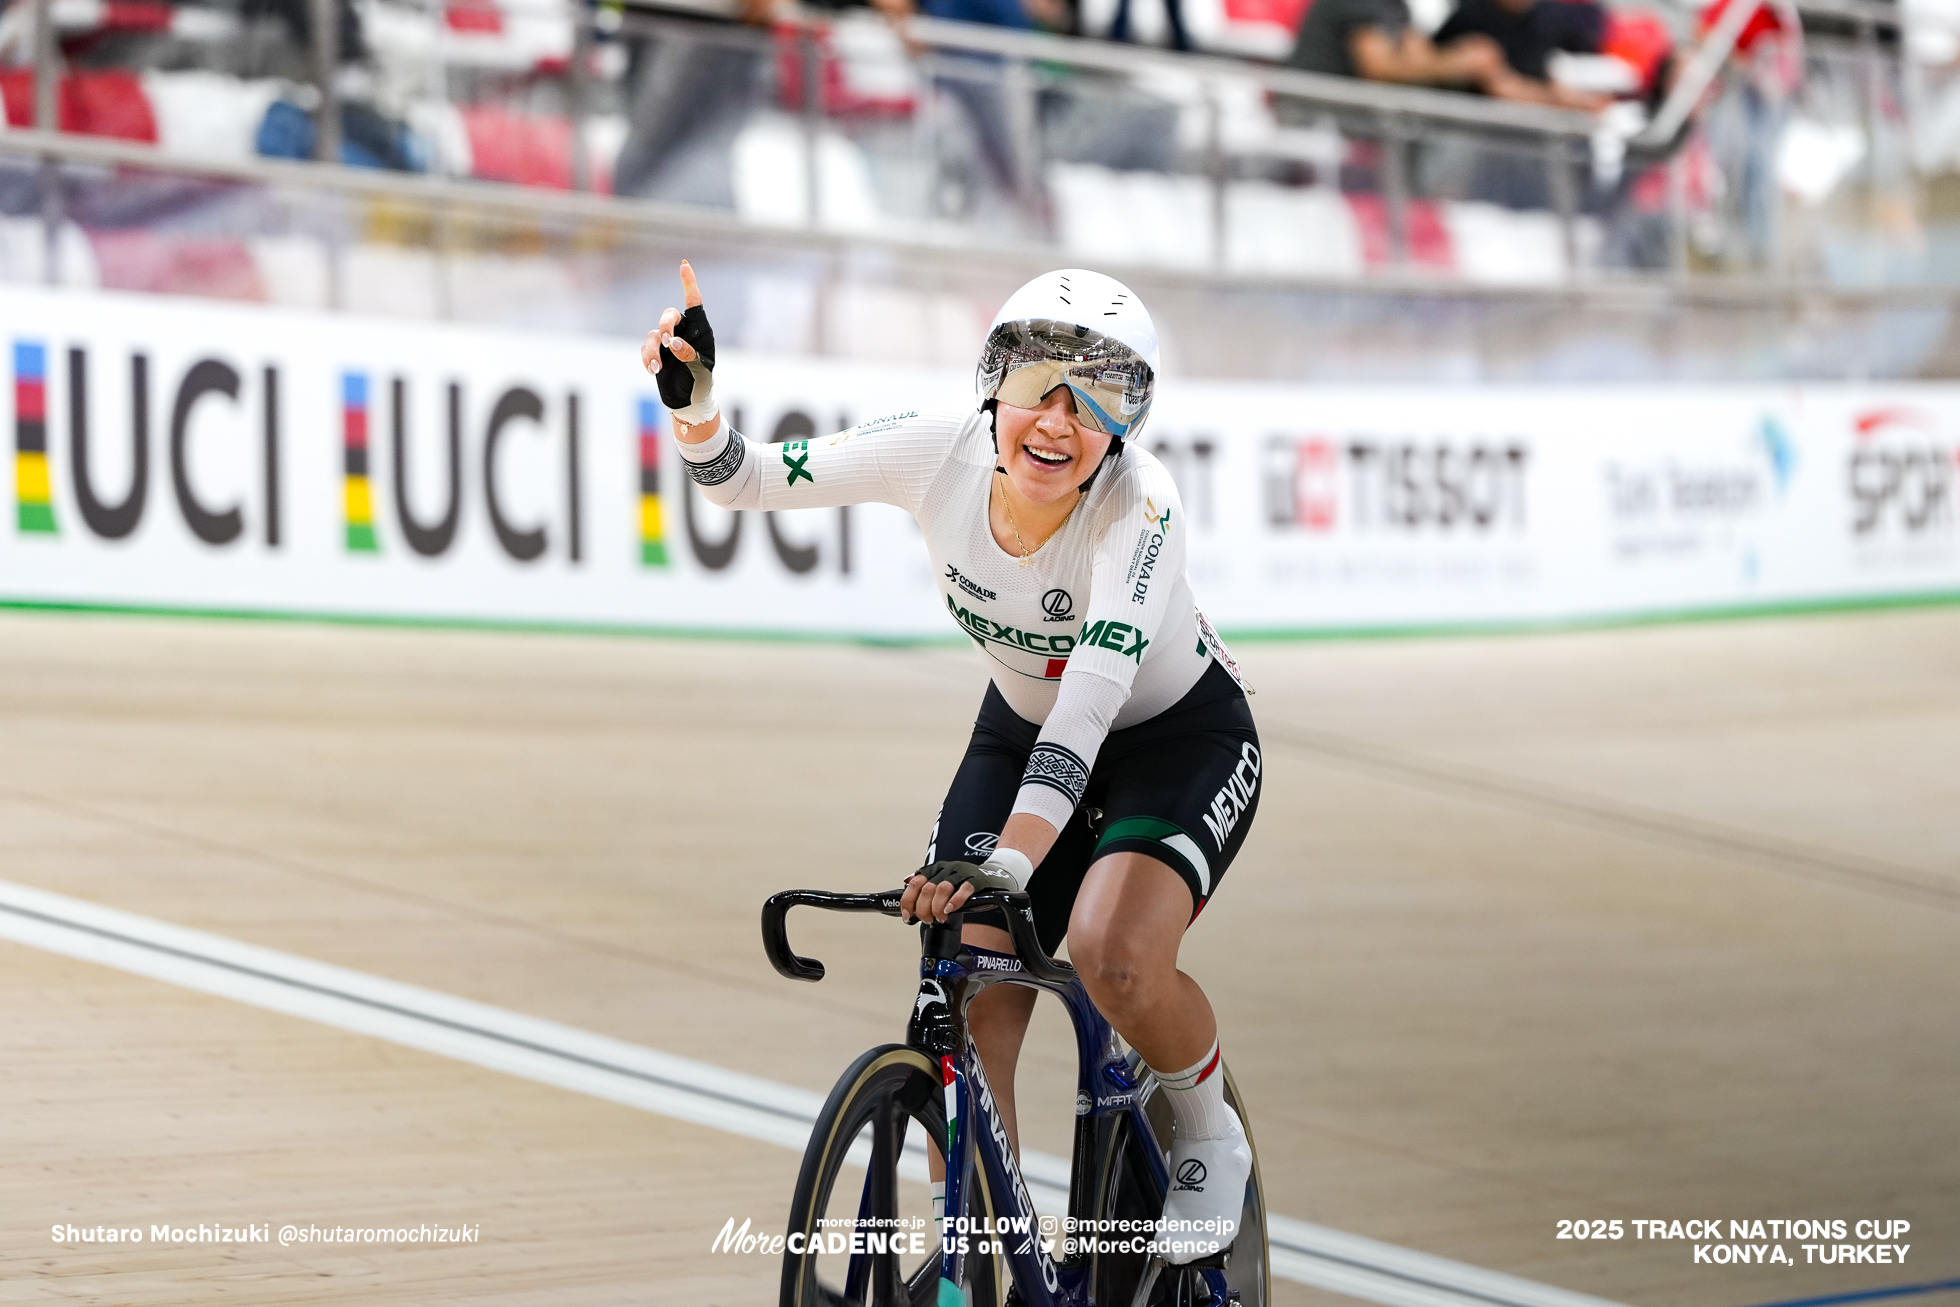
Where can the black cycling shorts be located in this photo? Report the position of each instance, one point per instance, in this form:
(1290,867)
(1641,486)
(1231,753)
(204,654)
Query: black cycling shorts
(1181,787)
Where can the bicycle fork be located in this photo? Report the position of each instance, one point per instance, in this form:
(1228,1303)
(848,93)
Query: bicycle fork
(938,1029)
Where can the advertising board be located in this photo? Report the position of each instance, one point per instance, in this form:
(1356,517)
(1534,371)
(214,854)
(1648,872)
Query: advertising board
(185,455)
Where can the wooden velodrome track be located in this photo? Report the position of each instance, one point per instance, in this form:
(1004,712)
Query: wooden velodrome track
(1654,923)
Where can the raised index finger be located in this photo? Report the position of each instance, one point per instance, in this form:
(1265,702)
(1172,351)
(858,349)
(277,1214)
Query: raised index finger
(690,289)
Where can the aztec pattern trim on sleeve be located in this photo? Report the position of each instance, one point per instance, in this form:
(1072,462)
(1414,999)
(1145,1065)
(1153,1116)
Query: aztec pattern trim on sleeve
(723,465)
(1057,767)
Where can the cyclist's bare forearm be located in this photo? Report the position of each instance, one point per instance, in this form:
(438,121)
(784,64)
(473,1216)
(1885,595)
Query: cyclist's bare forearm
(1028,834)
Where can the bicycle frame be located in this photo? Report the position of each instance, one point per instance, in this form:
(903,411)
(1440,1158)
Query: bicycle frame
(950,976)
(1103,1089)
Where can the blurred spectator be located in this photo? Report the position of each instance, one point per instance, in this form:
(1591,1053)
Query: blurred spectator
(692,96)
(975,79)
(1378,41)
(296,18)
(1119,28)
(368,138)
(1528,31)
(1641,41)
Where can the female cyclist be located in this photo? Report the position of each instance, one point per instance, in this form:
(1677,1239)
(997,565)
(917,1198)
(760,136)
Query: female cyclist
(1114,768)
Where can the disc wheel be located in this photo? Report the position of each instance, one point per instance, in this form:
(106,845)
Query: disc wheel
(1124,1193)
(885,1094)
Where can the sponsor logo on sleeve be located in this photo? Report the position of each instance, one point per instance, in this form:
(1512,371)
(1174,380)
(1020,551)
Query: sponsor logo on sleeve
(795,454)
(1120,637)
(1150,543)
(879,424)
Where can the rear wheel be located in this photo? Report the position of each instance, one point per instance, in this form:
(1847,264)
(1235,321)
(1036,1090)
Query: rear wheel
(887,1094)
(1124,1193)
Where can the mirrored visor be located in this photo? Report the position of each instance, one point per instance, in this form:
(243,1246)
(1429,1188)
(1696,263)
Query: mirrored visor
(1025,361)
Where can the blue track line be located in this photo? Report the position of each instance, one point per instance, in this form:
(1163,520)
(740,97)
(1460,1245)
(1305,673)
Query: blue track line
(1868,1295)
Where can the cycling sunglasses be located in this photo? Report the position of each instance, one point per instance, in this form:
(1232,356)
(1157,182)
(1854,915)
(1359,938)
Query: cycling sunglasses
(1025,362)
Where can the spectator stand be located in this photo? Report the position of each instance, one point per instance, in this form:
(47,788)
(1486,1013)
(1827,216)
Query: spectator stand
(829,122)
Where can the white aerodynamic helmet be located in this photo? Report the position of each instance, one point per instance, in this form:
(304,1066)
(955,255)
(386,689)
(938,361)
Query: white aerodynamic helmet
(1076,329)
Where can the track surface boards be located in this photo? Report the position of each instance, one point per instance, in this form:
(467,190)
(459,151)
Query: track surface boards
(1645,923)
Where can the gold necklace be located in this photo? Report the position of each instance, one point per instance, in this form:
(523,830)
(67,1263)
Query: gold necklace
(1027,555)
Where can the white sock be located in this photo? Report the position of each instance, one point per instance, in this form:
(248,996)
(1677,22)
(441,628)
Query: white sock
(939,1206)
(1197,1096)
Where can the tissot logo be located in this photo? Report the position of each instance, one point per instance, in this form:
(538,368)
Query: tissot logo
(1058,606)
(1366,485)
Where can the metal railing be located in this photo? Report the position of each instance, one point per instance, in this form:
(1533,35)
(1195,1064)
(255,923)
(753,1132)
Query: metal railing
(1393,156)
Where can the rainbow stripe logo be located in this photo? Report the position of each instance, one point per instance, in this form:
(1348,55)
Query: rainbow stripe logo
(33,492)
(653,538)
(354,435)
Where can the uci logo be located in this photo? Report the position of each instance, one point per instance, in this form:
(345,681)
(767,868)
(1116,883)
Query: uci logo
(1058,606)
(1191,1176)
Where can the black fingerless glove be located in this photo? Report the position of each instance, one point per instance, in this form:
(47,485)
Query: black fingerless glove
(965,873)
(689,388)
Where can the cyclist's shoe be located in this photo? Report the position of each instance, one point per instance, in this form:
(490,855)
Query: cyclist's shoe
(1207,1197)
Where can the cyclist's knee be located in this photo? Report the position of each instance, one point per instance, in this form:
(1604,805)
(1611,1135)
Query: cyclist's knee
(1120,975)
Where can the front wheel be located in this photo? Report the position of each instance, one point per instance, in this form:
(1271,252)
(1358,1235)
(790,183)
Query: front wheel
(886,1094)
(1125,1193)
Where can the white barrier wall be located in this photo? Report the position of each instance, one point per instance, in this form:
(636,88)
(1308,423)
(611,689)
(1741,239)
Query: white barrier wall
(184,455)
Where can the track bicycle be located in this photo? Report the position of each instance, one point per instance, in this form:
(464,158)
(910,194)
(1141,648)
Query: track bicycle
(934,1081)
